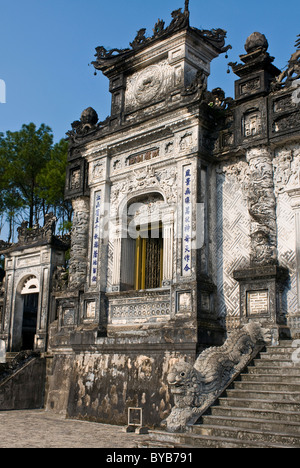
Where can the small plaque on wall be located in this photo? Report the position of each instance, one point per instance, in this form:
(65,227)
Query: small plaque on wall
(90,310)
(184,301)
(257,303)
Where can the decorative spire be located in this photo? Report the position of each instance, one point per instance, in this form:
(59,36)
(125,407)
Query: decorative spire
(186,7)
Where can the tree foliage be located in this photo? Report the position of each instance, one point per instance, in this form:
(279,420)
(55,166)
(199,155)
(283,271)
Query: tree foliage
(32,176)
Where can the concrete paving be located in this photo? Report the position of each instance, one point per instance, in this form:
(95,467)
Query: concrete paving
(40,429)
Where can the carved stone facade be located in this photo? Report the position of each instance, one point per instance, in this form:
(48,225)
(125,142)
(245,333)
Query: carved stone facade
(30,265)
(186,227)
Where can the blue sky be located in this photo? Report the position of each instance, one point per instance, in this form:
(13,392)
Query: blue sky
(46,46)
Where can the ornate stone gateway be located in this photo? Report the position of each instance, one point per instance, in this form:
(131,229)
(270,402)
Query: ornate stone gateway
(184,250)
(26,301)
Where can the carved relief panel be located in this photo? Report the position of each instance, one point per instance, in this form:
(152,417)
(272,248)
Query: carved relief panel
(252,124)
(148,85)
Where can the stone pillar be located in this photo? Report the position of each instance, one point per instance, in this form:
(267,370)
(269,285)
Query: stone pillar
(262,207)
(262,282)
(79,245)
(116,263)
(294,193)
(168,254)
(168,239)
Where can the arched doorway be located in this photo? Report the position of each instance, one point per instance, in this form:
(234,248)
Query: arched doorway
(25,315)
(30,294)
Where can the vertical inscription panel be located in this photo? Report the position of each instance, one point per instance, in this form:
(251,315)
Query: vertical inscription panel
(95,239)
(187,221)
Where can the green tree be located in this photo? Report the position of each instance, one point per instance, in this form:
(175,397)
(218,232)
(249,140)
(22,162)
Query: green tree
(26,153)
(51,185)
(32,177)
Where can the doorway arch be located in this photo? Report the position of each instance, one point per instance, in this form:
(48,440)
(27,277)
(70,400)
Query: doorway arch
(26,314)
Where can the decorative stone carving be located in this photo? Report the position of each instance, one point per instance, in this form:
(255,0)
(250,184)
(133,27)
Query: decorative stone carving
(88,122)
(37,233)
(196,387)
(139,40)
(252,124)
(159,28)
(292,73)
(286,169)
(78,257)
(75,182)
(256,41)
(147,178)
(262,207)
(60,279)
(180,20)
(98,170)
(149,84)
(4,245)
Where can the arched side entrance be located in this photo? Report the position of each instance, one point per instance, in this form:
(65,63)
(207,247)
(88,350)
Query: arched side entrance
(26,313)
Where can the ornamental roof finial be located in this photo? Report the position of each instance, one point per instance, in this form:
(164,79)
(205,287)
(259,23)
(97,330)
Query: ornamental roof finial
(186,7)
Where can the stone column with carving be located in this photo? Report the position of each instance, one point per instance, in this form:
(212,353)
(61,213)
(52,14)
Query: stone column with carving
(79,244)
(262,207)
(262,282)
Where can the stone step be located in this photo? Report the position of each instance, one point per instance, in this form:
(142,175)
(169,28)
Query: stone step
(280,349)
(255,413)
(276,357)
(250,441)
(293,397)
(281,406)
(279,363)
(272,378)
(267,386)
(248,435)
(284,427)
(273,371)
(158,439)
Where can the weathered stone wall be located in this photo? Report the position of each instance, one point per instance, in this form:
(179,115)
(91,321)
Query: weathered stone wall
(25,389)
(59,373)
(232,244)
(101,387)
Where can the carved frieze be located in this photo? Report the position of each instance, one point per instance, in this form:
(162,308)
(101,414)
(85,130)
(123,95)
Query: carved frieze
(145,179)
(139,308)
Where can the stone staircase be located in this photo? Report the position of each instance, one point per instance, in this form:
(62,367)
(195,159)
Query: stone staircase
(260,410)
(22,381)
